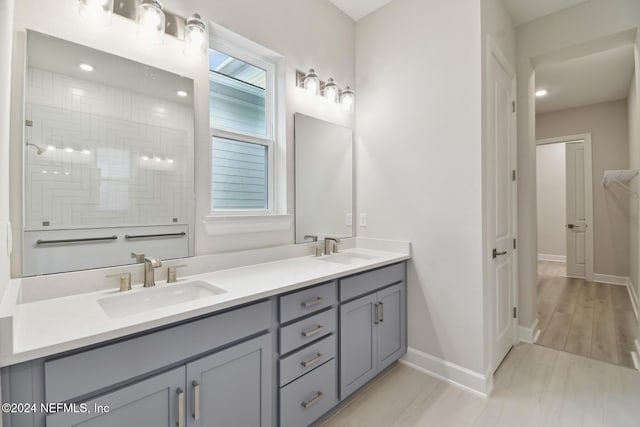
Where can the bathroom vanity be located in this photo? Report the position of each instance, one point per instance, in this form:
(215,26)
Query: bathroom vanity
(280,344)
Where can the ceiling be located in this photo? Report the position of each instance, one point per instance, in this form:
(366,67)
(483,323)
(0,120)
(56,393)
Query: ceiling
(600,77)
(523,11)
(358,9)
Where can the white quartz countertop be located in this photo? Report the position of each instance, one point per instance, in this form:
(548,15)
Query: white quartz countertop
(55,325)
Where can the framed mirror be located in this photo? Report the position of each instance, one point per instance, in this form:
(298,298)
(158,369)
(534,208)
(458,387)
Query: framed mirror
(324,179)
(108,159)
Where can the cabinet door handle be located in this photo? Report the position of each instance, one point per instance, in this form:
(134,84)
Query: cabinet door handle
(310,403)
(196,400)
(312,361)
(180,393)
(313,331)
(376,316)
(312,303)
(381,311)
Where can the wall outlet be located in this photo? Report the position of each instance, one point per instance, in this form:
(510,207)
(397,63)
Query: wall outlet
(349,219)
(363,220)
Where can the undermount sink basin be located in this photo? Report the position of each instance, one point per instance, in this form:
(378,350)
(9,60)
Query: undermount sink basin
(167,295)
(345,257)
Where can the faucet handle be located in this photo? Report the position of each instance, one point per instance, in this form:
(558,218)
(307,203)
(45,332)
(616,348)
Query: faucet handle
(172,276)
(138,256)
(125,280)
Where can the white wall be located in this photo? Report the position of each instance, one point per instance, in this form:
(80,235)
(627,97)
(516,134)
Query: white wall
(324,39)
(568,28)
(418,163)
(634,202)
(552,202)
(607,123)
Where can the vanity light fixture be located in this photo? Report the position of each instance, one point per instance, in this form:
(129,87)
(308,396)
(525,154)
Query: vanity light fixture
(331,91)
(86,67)
(182,93)
(97,11)
(151,21)
(311,82)
(195,36)
(541,92)
(347,98)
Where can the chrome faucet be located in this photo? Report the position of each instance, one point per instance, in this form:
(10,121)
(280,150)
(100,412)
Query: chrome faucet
(149,265)
(328,242)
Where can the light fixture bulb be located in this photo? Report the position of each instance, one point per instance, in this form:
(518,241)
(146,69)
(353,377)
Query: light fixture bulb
(347,99)
(51,148)
(182,93)
(331,91)
(151,21)
(542,92)
(96,11)
(86,67)
(69,150)
(311,82)
(195,36)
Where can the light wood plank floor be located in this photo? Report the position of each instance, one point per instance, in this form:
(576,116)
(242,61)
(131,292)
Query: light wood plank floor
(535,386)
(590,319)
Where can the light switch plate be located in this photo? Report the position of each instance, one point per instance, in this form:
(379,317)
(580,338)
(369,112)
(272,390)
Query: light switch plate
(349,219)
(363,220)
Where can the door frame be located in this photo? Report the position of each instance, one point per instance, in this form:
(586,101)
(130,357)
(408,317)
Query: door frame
(494,51)
(588,186)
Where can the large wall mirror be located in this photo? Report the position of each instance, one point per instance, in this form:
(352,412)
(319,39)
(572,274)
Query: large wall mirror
(324,179)
(108,159)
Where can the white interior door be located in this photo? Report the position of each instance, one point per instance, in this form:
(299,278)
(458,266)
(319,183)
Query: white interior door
(501,192)
(576,210)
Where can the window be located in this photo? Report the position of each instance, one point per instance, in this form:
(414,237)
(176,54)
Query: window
(241,97)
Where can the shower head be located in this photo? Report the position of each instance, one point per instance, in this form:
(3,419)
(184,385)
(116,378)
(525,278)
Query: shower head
(39,149)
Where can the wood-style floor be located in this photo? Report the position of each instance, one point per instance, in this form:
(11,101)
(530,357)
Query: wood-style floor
(535,386)
(590,319)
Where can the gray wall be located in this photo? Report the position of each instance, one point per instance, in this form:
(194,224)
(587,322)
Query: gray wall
(607,123)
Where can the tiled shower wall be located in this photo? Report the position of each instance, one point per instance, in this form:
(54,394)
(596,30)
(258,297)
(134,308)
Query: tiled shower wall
(112,156)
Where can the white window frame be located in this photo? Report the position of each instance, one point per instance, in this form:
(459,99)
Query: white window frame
(233,221)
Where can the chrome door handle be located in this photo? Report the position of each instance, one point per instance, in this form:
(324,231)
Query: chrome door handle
(196,400)
(570,226)
(312,361)
(313,401)
(313,331)
(311,303)
(496,254)
(180,394)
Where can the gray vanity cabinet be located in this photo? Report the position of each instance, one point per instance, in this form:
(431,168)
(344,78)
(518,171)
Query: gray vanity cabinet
(232,388)
(372,327)
(153,402)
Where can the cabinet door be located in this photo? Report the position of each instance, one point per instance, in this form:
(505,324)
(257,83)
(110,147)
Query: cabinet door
(358,343)
(232,388)
(392,342)
(150,403)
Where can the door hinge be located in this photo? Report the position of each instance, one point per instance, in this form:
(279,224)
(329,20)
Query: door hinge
(515,245)
(28,123)
(515,312)
(513,106)
(514,175)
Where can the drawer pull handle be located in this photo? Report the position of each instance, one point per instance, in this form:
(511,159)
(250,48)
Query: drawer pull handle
(196,400)
(312,303)
(313,331)
(180,393)
(312,361)
(376,313)
(381,310)
(310,403)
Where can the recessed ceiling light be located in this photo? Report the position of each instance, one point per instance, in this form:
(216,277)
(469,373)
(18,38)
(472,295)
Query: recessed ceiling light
(542,92)
(182,93)
(86,67)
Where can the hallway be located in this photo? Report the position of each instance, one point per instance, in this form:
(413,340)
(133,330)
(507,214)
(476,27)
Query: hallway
(594,320)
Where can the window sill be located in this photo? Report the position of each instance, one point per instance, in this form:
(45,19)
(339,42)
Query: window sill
(218,225)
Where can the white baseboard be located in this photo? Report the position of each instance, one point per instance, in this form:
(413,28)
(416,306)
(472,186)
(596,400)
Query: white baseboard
(610,279)
(633,297)
(552,258)
(528,334)
(472,381)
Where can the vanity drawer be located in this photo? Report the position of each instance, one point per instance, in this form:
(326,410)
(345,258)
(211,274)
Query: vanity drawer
(307,359)
(89,371)
(307,301)
(365,283)
(307,331)
(308,398)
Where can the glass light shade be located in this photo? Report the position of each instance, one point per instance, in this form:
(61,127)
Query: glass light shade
(331,91)
(151,21)
(311,82)
(347,99)
(196,40)
(96,11)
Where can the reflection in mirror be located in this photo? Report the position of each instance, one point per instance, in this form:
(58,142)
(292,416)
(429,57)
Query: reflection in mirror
(108,159)
(324,179)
